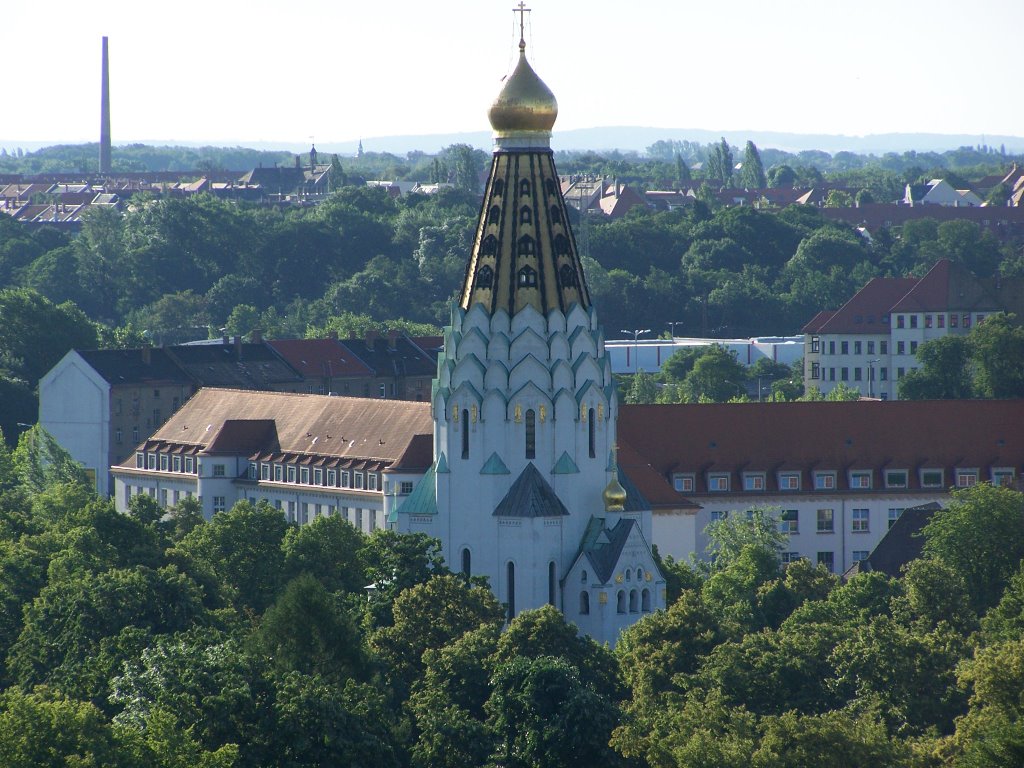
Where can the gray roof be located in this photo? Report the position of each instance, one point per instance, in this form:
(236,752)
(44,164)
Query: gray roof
(530,496)
(135,366)
(603,546)
(901,544)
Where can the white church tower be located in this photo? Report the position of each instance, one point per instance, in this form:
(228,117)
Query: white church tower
(524,488)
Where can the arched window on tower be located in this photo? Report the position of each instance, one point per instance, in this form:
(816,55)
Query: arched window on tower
(567,276)
(510,590)
(484,277)
(634,601)
(465,433)
(467,561)
(620,602)
(561,244)
(556,214)
(550,185)
(527,277)
(531,434)
(584,603)
(494,216)
(524,187)
(645,601)
(489,246)
(552,583)
(526,246)
(525,215)
(591,434)
(498,186)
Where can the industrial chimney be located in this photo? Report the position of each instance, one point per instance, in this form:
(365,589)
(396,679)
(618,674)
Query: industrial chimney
(105,114)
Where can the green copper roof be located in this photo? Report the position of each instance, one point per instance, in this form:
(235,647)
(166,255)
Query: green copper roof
(494,466)
(442,465)
(565,465)
(422,500)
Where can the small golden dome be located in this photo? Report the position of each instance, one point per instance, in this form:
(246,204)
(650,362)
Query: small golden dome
(614,496)
(525,104)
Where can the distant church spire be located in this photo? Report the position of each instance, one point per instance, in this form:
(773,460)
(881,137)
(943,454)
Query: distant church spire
(105,113)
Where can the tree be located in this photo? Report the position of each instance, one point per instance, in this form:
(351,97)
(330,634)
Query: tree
(752,173)
(945,372)
(642,389)
(35,333)
(329,550)
(842,393)
(781,176)
(998,351)
(980,536)
(715,376)
(719,165)
(545,716)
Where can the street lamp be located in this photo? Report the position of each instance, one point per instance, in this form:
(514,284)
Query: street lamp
(636,344)
(871,376)
(672,326)
(740,390)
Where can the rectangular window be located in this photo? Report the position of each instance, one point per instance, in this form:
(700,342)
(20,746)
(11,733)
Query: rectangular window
(913,347)
(859,555)
(953,320)
(753,482)
(825,521)
(683,483)
(278,473)
(965,478)
(291,512)
(831,374)
(931,478)
(894,514)
(940,321)
(332,478)
(718,483)
(344,479)
(824,481)
(883,347)
(815,344)
(790,557)
(163,498)
(291,474)
(827,559)
(359,519)
(871,347)
(117,436)
(1002,476)
(844,374)
(979,319)
(927,321)
(859,522)
(913,321)
(790,521)
(358,477)
(831,347)
(856,347)
(151,461)
(844,347)
(318,476)
(719,514)
(304,475)
(789,481)
(901,348)
(127,495)
(305,513)
(815,370)
(373,519)
(264,471)
(901,372)
(157,421)
(896,478)
(966,321)
(405,488)
(218,470)
(899,321)
(190,465)
(883,374)
(176,465)
(219,504)
(371,481)
(860,480)
(254,470)
(140,461)
(856,374)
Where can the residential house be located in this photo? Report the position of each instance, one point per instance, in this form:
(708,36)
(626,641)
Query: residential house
(940,192)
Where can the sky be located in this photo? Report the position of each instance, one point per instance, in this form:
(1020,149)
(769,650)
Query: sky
(239,72)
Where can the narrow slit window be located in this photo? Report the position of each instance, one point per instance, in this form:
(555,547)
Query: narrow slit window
(531,434)
(591,434)
(465,433)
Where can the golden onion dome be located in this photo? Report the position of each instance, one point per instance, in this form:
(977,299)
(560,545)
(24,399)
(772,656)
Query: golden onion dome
(614,496)
(525,104)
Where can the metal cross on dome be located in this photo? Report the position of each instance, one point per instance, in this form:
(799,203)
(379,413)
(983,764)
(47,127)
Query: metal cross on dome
(522,10)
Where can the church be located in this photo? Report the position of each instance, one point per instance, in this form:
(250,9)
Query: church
(524,487)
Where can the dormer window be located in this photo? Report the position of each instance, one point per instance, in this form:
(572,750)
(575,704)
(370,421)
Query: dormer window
(753,481)
(789,481)
(965,478)
(860,480)
(896,478)
(718,482)
(683,483)
(1002,476)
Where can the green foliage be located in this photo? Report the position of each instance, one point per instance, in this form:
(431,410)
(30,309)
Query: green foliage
(715,376)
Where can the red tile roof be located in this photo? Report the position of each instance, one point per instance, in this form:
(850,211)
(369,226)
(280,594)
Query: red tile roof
(317,358)
(873,435)
(947,286)
(868,310)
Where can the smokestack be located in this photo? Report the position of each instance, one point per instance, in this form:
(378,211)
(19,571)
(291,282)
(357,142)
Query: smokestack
(105,114)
